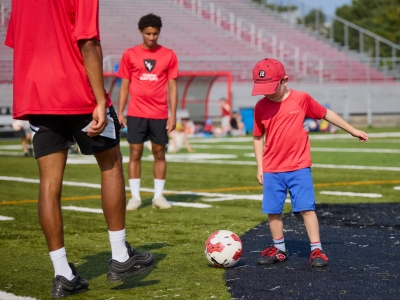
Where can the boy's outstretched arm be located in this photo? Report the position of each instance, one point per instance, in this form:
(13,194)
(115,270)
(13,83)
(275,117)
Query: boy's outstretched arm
(335,119)
(258,143)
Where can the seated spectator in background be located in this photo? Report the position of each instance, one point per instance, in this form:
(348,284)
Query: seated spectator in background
(225,115)
(237,125)
(208,127)
(178,138)
(23,131)
(188,127)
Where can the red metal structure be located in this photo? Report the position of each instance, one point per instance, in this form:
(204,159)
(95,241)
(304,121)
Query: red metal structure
(194,89)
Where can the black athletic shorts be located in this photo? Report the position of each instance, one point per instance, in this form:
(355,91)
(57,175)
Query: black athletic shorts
(141,130)
(52,133)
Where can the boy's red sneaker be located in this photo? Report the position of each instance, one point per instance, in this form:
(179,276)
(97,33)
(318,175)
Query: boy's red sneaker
(272,255)
(318,259)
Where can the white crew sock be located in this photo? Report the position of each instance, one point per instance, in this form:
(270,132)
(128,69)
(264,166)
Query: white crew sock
(280,244)
(134,185)
(119,252)
(158,187)
(315,245)
(60,263)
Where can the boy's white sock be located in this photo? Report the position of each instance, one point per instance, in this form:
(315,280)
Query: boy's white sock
(158,187)
(60,263)
(119,252)
(280,244)
(134,185)
(315,246)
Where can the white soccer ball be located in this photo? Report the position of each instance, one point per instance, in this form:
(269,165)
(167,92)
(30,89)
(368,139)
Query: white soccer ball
(223,249)
(16,125)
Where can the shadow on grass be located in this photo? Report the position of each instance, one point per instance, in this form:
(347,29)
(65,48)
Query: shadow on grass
(186,198)
(97,265)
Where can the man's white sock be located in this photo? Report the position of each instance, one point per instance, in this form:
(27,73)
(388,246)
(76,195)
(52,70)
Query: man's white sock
(158,187)
(134,185)
(60,263)
(119,252)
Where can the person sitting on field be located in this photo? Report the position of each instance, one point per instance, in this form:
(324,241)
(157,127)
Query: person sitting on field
(282,151)
(178,139)
(237,125)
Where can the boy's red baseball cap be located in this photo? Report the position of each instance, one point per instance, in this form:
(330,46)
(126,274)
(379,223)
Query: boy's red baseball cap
(267,74)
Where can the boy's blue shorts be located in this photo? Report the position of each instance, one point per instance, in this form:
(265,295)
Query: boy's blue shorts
(299,183)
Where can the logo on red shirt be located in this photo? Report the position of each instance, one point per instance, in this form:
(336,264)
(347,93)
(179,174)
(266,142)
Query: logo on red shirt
(149,64)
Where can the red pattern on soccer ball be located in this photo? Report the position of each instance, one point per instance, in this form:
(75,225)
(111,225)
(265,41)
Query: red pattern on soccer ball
(215,247)
(238,254)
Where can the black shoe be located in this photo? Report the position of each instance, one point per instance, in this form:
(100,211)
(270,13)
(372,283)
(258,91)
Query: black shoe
(318,259)
(272,255)
(62,287)
(137,263)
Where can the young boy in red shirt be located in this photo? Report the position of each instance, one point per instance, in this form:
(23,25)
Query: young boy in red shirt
(283,156)
(146,71)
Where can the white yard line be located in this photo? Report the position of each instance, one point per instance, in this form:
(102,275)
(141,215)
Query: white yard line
(350,194)
(5,218)
(10,296)
(397,188)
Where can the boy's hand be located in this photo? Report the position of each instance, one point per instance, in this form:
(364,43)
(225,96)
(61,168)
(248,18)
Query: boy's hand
(171,124)
(260,176)
(361,135)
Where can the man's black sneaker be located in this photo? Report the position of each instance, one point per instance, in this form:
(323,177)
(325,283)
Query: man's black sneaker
(272,255)
(137,263)
(62,287)
(318,259)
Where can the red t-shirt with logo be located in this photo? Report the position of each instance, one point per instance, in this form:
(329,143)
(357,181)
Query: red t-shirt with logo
(287,147)
(49,75)
(148,71)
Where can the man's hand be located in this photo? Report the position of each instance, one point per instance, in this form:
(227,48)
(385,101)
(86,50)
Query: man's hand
(99,122)
(171,124)
(122,120)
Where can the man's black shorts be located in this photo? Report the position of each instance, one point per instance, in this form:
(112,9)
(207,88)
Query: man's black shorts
(52,133)
(141,130)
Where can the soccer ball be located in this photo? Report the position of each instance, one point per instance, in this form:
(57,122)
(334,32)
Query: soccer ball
(223,249)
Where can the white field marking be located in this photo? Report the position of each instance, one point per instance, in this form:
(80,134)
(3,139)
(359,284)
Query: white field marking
(185,204)
(91,160)
(231,147)
(10,296)
(8,153)
(210,197)
(397,188)
(350,194)
(4,218)
(375,168)
(83,209)
(11,147)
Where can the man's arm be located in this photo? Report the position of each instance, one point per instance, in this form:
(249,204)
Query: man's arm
(335,119)
(122,99)
(258,143)
(93,61)
(173,103)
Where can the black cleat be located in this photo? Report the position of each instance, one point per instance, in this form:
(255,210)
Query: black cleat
(62,287)
(137,263)
(318,259)
(272,255)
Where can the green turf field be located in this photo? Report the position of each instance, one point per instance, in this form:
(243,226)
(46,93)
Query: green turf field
(221,176)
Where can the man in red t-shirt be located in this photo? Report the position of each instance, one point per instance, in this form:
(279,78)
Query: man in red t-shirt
(283,157)
(146,71)
(225,115)
(58,87)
